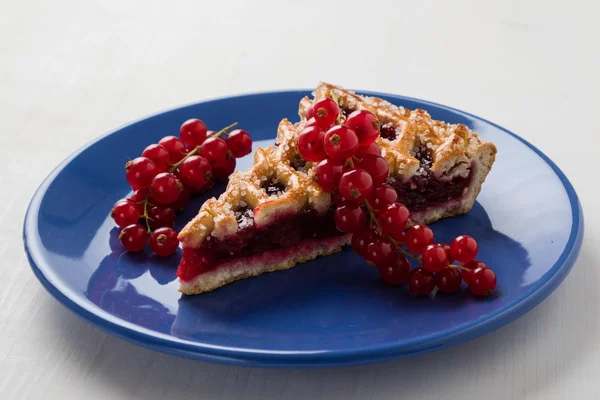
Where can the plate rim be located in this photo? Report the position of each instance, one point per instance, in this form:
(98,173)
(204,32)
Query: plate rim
(291,358)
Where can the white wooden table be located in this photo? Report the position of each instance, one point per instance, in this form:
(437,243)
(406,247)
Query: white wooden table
(72,70)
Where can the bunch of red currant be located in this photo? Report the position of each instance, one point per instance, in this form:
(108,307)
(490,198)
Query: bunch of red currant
(164,177)
(349,165)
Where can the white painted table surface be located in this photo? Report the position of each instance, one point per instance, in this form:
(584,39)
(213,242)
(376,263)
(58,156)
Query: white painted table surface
(72,70)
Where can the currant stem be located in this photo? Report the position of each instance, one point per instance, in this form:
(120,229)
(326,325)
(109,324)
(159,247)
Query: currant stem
(178,163)
(410,255)
(145,216)
(461,266)
(224,130)
(197,148)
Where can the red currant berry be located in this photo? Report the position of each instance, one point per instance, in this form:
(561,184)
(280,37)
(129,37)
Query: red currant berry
(340,143)
(418,237)
(195,172)
(446,247)
(165,188)
(393,220)
(125,212)
(193,132)
(310,112)
(396,272)
(356,184)
(139,172)
(380,253)
(310,144)
(365,124)
(383,197)
(420,282)
(482,281)
(328,174)
(448,280)
(326,110)
(239,143)
(468,268)
(373,148)
(340,200)
(464,248)
(159,156)
(182,200)
(160,217)
(318,124)
(360,240)
(175,147)
(349,218)
(225,169)
(138,197)
(163,242)
(376,166)
(133,237)
(215,150)
(434,258)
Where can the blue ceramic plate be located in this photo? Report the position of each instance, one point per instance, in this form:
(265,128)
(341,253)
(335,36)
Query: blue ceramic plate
(331,311)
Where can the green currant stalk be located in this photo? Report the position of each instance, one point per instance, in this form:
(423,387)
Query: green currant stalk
(145,215)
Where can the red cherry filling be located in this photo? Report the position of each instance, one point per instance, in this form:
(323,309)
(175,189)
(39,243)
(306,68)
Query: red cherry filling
(285,232)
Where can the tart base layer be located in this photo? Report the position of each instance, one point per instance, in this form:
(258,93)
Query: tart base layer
(257,264)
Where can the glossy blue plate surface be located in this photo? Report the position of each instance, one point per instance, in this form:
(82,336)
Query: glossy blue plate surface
(331,311)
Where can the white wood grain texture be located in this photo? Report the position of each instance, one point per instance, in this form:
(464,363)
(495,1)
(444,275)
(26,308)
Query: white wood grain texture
(72,70)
